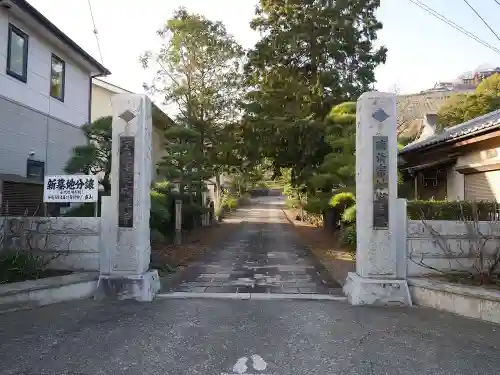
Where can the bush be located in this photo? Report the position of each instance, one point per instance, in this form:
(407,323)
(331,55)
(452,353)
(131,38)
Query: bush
(349,215)
(348,237)
(160,216)
(452,210)
(20,265)
(344,199)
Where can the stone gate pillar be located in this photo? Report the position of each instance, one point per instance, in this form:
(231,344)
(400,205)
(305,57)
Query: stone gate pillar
(125,233)
(377,280)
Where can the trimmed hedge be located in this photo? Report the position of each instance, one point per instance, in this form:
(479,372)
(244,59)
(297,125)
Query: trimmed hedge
(452,210)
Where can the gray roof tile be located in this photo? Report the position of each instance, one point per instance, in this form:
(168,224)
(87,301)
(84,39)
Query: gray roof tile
(488,121)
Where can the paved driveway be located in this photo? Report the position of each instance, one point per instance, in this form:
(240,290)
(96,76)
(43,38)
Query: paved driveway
(214,337)
(263,255)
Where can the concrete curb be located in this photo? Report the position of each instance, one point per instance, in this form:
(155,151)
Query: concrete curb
(252,296)
(34,293)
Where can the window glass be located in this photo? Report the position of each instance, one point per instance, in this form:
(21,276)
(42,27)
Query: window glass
(57,78)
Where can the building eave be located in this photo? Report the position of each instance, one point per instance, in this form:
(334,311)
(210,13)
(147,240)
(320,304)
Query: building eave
(25,7)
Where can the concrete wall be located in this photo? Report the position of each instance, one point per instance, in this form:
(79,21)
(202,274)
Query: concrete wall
(448,245)
(455,185)
(71,243)
(23,129)
(35,93)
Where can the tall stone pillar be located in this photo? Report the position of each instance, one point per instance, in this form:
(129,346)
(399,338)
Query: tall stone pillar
(125,233)
(376,279)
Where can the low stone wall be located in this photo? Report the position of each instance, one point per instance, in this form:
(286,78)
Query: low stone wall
(69,243)
(449,245)
(473,302)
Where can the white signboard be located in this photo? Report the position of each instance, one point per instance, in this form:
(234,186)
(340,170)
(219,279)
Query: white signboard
(70,188)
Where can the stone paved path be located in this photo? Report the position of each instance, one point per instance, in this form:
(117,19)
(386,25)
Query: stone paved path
(263,255)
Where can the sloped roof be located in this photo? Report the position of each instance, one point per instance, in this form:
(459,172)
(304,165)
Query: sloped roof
(39,17)
(469,128)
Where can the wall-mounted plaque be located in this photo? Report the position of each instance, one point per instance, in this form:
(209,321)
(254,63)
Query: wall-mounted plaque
(126,183)
(380,182)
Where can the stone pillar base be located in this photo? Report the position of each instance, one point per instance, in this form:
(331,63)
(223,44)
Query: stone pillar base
(379,292)
(139,287)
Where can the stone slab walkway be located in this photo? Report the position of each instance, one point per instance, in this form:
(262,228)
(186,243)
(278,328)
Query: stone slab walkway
(263,255)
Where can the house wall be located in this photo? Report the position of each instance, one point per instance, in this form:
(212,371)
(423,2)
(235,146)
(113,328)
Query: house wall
(101,103)
(35,93)
(452,245)
(23,130)
(455,185)
(482,156)
(69,243)
(101,107)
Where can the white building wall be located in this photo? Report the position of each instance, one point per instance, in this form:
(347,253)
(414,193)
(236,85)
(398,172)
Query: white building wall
(35,93)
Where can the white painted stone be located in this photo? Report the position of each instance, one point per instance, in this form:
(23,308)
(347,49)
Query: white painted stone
(453,249)
(32,293)
(68,243)
(400,235)
(379,292)
(126,251)
(473,302)
(378,279)
(376,249)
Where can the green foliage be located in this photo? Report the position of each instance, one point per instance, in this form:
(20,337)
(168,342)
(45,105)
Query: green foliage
(452,210)
(349,215)
(338,167)
(345,199)
(200,74)
(95,156)
(160,214)
(463,107)
(20,265)
(298,70)
(348,237)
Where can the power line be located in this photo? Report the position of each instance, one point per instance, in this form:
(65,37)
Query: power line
(498,2)
(95,31)
(453,24)
(482,19)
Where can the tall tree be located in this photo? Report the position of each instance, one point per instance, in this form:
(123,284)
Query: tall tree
(313,54)
(198,71)
(95,156)
(338,167)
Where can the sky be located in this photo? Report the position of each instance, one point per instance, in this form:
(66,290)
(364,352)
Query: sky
(421,49)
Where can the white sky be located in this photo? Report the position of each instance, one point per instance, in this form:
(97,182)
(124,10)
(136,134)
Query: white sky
(422,50)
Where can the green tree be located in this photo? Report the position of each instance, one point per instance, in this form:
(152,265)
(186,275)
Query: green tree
(95,156)
(463,107)
(199,72)
(338,167)
(312,55)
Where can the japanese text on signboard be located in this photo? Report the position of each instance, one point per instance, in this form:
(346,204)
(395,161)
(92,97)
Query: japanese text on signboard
(70,188)
(380,182)
(126,182)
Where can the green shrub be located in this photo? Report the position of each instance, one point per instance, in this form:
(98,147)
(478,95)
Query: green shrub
(348,237)
(344,199)
(160,216)
(349,215)
(317,204)
(20,265)
(452,210)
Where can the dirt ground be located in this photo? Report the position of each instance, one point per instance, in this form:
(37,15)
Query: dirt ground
(169,258)
(325,246)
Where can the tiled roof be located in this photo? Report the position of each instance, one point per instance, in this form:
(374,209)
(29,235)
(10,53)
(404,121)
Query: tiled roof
(479,124)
